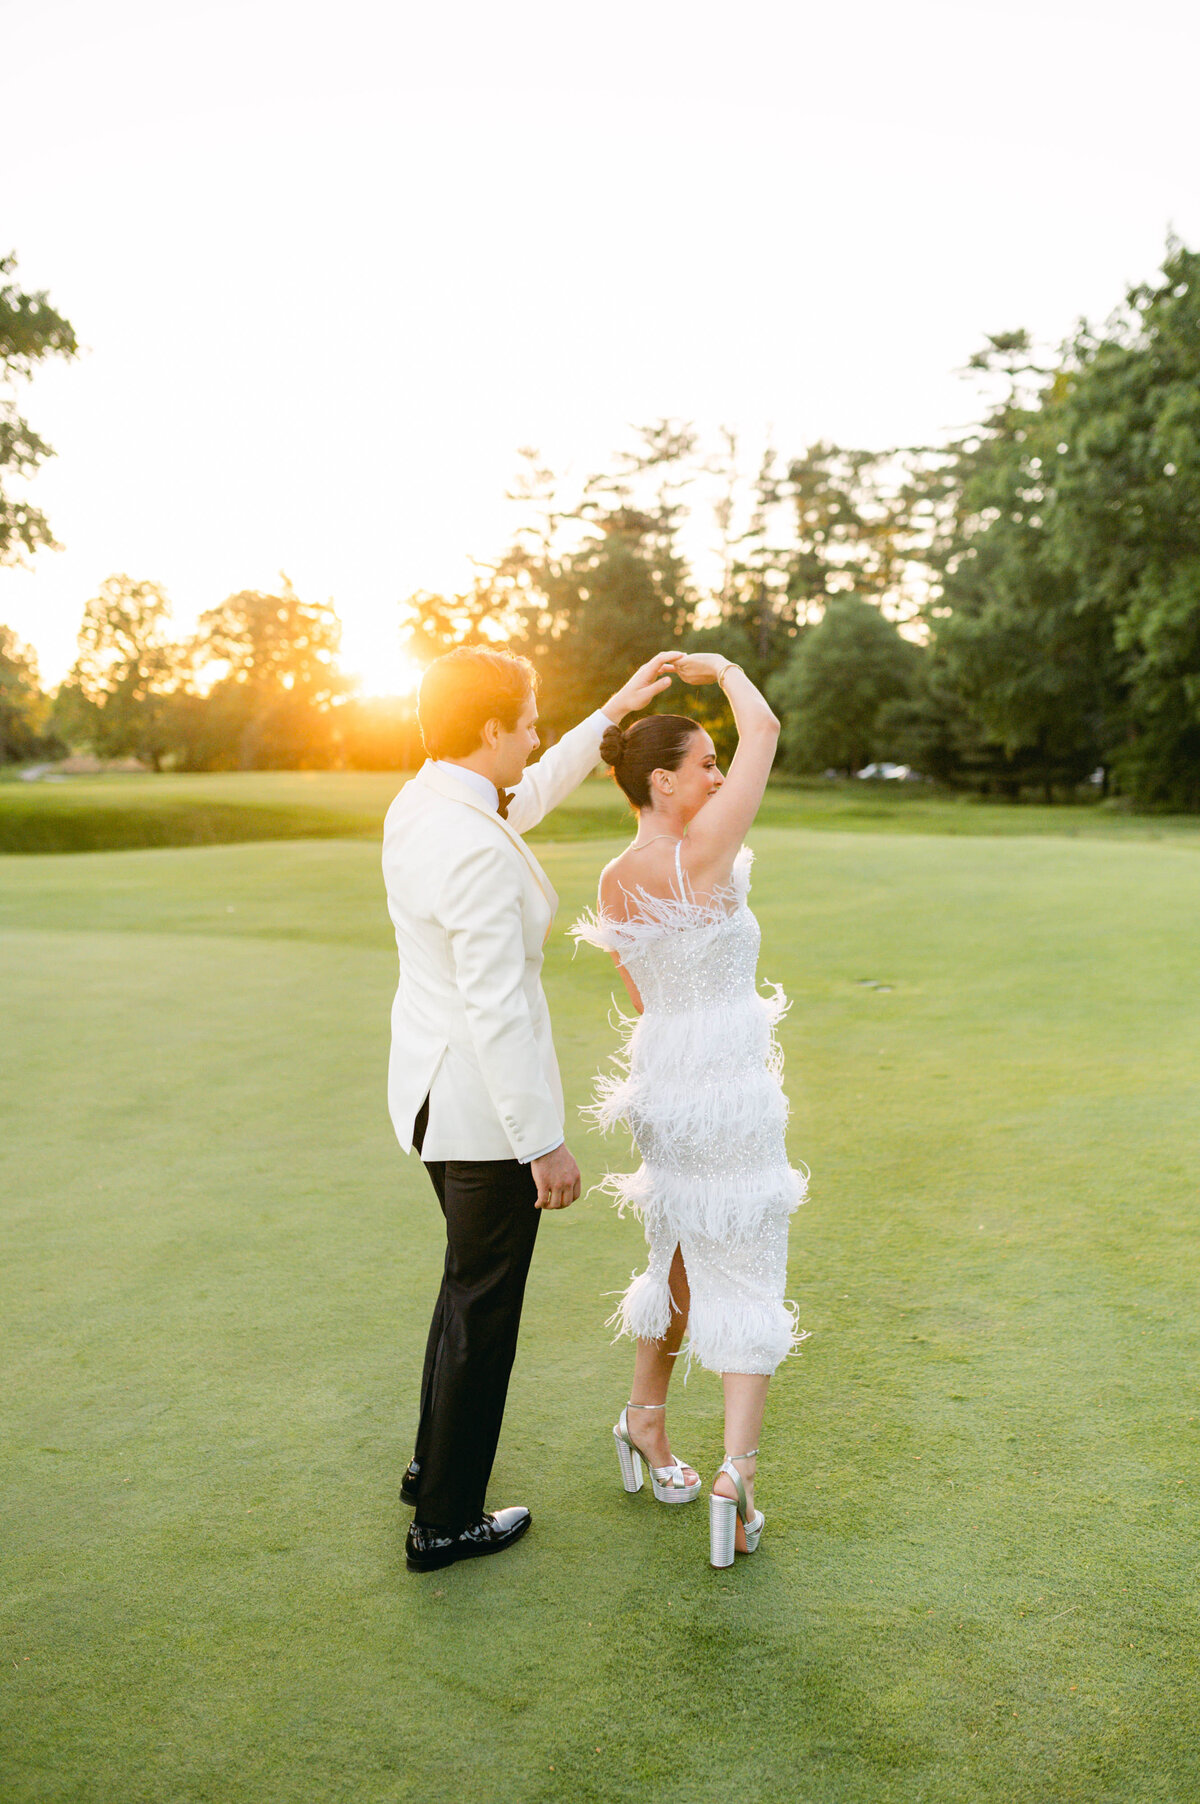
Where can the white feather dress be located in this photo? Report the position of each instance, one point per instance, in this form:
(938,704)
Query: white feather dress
(698,1086)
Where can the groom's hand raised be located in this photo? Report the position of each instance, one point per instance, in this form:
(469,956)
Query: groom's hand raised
(642,687)
(557,1178)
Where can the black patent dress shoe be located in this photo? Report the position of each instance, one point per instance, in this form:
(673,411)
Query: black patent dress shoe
(408,1484)
(427,1549)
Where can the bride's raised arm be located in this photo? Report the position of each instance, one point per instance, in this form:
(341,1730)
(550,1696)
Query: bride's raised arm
(716,833)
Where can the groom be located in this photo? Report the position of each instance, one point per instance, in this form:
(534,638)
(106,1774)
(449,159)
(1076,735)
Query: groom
(473,1082)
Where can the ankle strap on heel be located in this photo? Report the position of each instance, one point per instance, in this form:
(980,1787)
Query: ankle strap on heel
(730,1470)
(632,1405)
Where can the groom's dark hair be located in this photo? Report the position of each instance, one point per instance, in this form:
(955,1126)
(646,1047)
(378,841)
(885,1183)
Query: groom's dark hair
(466,688)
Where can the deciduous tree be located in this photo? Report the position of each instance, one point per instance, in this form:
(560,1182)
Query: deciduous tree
(30,331)
(116,696)
(830,693)
(1127,520)
(605,585)
(271,704)
(23,707)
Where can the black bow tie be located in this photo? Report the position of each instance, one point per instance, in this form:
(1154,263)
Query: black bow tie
(506,796)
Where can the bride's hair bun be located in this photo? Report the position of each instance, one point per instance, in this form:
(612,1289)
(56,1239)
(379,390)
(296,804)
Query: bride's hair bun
(656,742)
(612,746)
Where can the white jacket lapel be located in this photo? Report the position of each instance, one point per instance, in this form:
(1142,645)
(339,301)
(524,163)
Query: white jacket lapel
(458,792)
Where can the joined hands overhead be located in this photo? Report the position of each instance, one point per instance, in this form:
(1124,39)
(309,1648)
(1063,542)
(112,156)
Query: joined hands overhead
(695,668)
(700,667)
(647,682)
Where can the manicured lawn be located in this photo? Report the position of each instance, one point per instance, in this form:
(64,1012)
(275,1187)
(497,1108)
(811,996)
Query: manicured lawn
(107,813)
(979,1575)
(98,814)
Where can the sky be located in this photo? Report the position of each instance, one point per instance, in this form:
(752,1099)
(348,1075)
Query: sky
(332,266)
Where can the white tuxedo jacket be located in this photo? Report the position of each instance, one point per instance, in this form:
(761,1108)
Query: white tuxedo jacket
(472,909)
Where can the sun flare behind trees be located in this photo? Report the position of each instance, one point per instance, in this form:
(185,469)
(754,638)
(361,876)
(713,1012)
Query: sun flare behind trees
(1009,612)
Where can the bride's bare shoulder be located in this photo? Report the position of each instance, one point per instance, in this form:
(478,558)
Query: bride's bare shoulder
(614,888)
(638,869)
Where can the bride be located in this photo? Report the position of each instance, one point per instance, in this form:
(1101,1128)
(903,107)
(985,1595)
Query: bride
(699,1088)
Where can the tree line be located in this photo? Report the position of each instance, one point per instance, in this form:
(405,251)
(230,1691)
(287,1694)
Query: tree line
(256,687)
(1014,610)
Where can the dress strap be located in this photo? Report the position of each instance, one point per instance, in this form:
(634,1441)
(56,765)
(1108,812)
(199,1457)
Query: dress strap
(679,868)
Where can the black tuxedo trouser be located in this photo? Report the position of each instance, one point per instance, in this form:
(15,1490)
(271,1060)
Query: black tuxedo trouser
(491,1225)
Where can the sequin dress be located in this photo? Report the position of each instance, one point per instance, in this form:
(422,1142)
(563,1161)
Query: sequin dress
(698,1086)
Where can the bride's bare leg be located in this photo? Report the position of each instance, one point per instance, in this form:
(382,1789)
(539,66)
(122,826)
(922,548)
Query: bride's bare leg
(745,1402)
(652,1367)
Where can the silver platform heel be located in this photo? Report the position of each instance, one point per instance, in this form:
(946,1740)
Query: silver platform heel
(667,1482)
(723,1514)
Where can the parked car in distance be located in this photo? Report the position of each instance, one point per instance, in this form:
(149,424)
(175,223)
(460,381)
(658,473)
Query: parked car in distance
(889,773)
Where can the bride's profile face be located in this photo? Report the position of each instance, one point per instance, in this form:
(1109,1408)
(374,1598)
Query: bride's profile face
(697,778)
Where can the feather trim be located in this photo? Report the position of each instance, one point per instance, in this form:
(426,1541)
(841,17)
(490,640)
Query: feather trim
(644,1312)
(736,1107)
(676,1055)
(724,1208)
(754,1338)
(659,915)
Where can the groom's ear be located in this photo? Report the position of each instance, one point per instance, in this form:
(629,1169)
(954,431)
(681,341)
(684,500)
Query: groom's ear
(490,736)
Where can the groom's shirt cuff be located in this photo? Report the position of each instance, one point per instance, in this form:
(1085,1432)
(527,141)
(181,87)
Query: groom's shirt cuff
(545,1149)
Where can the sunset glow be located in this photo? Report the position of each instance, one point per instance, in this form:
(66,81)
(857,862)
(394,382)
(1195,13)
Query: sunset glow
(377,663)
(196,450)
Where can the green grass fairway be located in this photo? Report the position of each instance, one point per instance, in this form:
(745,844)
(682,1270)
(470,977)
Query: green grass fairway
(120,813)
(979,1578)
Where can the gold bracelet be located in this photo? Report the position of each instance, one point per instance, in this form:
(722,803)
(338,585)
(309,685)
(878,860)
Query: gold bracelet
(730,665)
